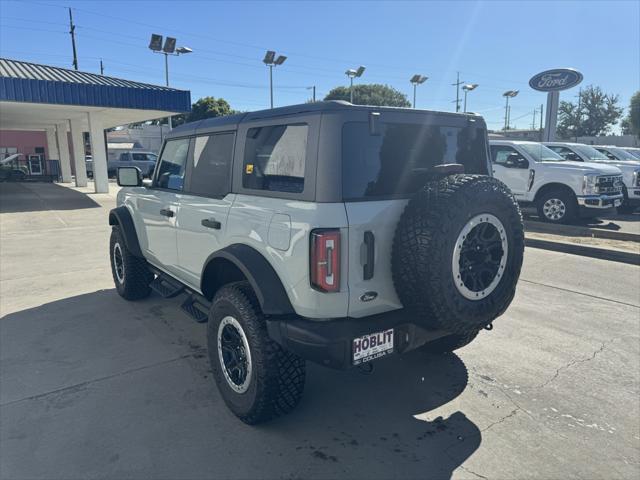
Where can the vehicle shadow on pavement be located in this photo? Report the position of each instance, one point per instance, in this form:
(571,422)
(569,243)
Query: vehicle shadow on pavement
(118,388)
(34,197)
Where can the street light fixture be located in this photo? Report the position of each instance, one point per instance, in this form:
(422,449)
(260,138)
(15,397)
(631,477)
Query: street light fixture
(468,87)
(351,73)
(271,61)
(507,95)
(169,48)
(416,80)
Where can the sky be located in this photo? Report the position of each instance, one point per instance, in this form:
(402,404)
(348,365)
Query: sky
(496,44)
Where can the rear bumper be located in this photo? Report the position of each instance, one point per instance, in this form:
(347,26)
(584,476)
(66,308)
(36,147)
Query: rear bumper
(330,342)
(600,201)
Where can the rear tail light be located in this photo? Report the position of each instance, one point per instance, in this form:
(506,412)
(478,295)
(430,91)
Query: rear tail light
(325,260)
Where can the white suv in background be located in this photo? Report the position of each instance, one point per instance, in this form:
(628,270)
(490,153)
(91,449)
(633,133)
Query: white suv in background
(561,190)
(615,156)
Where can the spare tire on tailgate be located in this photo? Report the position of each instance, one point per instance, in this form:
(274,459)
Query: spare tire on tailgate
(457,252)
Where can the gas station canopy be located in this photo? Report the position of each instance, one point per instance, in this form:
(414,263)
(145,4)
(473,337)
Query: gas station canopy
(42,97)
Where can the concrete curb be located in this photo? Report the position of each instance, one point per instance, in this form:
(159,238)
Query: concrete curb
(578,231)
(592,252)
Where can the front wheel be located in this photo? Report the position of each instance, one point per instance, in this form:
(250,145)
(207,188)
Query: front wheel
(131,274)
(557,206)
(257,378)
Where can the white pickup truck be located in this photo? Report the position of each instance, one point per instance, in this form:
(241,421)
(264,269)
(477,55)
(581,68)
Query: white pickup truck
(613,156)
(561,190)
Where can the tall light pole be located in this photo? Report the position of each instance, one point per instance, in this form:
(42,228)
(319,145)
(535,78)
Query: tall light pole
(416,80)
(313,97)
(468,87)
(507,95)
(351,73)
(169,48)
(271,61)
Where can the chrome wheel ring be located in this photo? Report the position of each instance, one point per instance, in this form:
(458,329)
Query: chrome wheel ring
(480,256)
(554,209)
(118,263)
(234,354)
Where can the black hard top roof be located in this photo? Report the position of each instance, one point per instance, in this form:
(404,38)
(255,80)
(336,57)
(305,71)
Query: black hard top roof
(326,106)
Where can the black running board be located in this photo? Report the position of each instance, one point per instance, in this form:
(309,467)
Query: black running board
(197,308)
(166,287)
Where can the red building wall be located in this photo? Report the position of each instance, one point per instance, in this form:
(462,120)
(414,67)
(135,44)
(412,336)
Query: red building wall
(25,141)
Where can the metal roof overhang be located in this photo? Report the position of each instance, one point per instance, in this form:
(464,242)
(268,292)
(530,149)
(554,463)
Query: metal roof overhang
(36,96)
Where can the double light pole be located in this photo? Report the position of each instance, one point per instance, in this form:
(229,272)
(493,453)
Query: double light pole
(507,95)
(468,87)
(353,73)
(169,48)
(270,60)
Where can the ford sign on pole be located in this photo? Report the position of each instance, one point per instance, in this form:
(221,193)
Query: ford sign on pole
(552,81)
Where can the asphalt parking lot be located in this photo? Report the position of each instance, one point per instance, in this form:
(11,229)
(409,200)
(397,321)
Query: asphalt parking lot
(92,386)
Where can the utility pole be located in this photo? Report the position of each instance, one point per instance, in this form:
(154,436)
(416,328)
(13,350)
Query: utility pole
(533,123)
(541,114)
(101,68)
(457,85)
(579,113)
(72,32)
(314,94)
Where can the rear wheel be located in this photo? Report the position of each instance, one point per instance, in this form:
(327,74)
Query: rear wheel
(557,206)
(257,378)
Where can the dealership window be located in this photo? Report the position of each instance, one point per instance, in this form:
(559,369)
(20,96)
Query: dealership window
(274,158)
(212,158)
(172,163)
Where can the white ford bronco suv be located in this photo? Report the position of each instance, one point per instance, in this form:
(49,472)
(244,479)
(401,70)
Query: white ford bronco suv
(325,232)
(561,190)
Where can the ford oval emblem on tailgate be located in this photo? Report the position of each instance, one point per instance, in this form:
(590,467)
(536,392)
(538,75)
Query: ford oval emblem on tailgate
(368,296)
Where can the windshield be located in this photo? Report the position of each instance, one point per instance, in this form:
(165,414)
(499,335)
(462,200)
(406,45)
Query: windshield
(635,153)
(590,153)
(541,153)
(622,154)
(149,157)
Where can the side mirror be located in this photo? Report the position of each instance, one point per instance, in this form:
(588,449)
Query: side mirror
(129,177)
(515,160)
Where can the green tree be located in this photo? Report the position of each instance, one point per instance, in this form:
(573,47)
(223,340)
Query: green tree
(631,123)
(594,114)
(206,107)
(371,94)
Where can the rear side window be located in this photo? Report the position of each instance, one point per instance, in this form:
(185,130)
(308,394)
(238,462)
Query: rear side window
(212,156)
(274,158)
(172,163)
(395,163)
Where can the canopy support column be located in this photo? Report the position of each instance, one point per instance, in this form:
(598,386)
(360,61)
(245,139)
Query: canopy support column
(98,153)
(63,149)
(78,153)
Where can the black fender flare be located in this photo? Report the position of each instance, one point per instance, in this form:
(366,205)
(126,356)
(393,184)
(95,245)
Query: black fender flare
(260,274)
(122,217)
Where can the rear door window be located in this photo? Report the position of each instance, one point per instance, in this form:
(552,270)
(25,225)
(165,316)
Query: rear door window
(395,163)
(275,157)
(172,164)
(210,171)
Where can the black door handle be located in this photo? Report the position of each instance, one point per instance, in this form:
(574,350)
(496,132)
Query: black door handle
(166,212)
(369,242)
(211,223)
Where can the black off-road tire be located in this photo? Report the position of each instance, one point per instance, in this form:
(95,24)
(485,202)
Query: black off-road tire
(423,252)
(136,276)
(567,198)
(277,378)
(449,343)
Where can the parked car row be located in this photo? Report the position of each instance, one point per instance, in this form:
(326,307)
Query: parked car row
(145,161)
(565,181)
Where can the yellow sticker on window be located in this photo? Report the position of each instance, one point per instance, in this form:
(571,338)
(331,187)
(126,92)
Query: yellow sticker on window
(248,169)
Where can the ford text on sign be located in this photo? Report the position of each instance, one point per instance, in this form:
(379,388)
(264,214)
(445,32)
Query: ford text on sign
(555,80)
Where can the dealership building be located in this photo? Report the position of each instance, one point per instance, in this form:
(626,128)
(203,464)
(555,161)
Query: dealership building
(46,113)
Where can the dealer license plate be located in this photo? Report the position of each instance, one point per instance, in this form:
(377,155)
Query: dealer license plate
(372,346)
